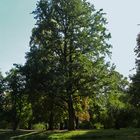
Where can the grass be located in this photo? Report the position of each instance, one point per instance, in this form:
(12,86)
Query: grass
(107,134)
(7,134)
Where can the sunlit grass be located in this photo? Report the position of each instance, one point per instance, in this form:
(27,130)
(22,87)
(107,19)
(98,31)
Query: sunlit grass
(107,134)
(84,134)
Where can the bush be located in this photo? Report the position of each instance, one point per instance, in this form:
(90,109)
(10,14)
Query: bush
(39,126)
(98,126)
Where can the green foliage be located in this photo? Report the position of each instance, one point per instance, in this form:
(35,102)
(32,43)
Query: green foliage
(67,50)
(66,82)
(108,104)
(98,125)
(17,109)
(134,89)
(39,126)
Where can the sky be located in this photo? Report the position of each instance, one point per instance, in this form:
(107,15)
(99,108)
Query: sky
(123,19)
(16,23)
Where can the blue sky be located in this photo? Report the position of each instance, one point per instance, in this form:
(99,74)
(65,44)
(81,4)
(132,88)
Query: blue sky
(123,19)
(16,24)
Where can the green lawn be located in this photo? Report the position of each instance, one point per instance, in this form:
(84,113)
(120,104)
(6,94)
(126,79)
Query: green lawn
(108,134)
(7,134)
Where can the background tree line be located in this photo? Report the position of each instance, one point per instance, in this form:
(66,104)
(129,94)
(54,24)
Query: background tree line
(66,82)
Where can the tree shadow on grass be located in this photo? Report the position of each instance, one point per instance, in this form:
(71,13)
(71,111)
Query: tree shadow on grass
(45,135)
(59,135)
(7,134)
(109,134)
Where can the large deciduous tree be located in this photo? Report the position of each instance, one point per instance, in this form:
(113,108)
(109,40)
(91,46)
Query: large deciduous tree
(67,42)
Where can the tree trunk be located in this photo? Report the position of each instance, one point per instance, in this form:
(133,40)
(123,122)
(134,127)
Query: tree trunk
(77,122)
(61,126)
(50,121)
(30,124)
(65,124)
(15,125)
(71,124)
(14,115)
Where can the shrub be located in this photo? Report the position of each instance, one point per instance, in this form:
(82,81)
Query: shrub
(98,126)
(39,126)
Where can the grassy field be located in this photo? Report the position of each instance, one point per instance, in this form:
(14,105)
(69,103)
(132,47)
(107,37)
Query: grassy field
(108,134)
(123,134)
(7,134)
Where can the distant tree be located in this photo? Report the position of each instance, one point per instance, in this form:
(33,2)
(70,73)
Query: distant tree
(1,89)
(135,86)
(68,40)
(15,85)
(117,98)
(107,104)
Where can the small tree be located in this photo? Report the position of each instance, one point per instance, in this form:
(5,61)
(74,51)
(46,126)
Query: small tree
(15,85)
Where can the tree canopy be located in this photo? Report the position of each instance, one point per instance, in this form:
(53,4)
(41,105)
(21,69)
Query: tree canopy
(66,48)
(66,81)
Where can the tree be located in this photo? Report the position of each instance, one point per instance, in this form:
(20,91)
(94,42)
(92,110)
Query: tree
(68,40)
(135,84)
(15,85)
(1,90)
(110,100)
